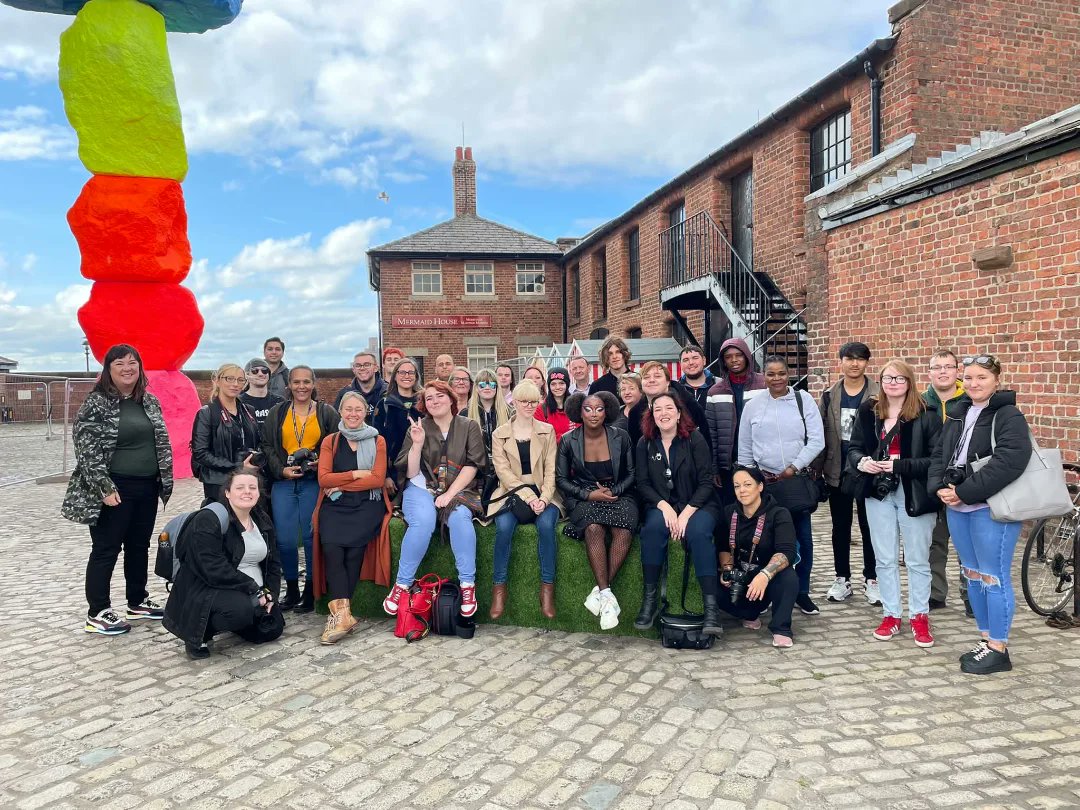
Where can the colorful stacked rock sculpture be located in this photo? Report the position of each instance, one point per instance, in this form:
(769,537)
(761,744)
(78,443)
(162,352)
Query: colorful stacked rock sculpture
(129,220)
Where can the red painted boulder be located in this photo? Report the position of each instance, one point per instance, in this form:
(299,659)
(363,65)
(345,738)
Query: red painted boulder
(179,404)
(132,229)
(161,320)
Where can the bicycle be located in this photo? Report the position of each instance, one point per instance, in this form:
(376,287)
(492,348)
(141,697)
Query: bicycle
(1048,568)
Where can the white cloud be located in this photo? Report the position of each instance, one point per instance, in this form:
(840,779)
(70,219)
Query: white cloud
(27,134)
(7,295)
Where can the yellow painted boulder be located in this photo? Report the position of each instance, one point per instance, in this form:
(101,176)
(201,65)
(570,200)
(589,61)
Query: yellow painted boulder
(119,93)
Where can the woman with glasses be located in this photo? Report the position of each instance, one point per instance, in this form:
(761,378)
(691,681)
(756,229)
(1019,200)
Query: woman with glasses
(461,383)
(505,375)
(392,414)
(552,408)
(523,454)
(891,443)
(224,434)
(594,471)
(990,427)
(634,404)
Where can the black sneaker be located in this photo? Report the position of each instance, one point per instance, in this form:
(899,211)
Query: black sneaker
(806,604)
(973,651)
(937,604)
(986,662)
(196,652)
(147,609)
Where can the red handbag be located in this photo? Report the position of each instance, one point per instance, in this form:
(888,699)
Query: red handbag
(414,610)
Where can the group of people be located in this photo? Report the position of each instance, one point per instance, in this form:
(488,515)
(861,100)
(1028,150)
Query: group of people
(729,463)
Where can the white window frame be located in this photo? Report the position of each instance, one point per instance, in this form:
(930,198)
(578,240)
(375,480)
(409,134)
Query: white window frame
(524,271)
(427,272)
(529,349)
(478,357)
(480,269)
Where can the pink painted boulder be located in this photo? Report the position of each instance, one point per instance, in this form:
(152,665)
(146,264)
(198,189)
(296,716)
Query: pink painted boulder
(179,403)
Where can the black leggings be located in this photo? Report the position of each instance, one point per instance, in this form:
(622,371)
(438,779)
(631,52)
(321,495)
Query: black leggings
(129,526)
(342,567)
(233,612)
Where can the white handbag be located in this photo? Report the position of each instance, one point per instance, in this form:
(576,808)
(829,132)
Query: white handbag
(1039,492)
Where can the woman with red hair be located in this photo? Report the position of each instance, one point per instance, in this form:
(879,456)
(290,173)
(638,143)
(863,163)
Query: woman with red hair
(674,472)
(439,461)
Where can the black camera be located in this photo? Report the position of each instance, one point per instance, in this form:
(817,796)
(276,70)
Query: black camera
(262,619)
(739,579)
(307,460)
(954,476)
(884,484)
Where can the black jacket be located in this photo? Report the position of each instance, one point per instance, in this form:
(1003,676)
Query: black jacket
(918,443)
(697,413)
(208,563)
(377,392)
(574,480)
(1008,461)
(691,474)
(212,451)
(777,537)
(633,421)
(606,382)
(391,419)
(271,434)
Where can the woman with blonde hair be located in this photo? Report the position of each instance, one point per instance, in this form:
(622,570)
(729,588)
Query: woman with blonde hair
(224,434)
(490,411)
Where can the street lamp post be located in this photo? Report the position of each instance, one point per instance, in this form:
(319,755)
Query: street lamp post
(86,351)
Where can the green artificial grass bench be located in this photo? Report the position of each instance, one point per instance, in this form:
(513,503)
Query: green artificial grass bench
(573,581)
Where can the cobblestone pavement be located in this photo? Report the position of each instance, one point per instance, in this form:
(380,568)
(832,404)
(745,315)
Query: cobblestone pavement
(515,717)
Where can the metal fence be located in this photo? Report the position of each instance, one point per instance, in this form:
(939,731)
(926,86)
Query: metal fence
(36,413)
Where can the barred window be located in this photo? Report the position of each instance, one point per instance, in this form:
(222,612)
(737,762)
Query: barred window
(427,278)
(481,357)
(830,150)
(479,278)
(575,292)
(530,278)
(633,260)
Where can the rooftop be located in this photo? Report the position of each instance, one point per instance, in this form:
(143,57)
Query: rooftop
(469,235)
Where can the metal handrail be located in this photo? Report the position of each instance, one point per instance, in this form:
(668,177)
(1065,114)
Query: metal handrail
(785,325)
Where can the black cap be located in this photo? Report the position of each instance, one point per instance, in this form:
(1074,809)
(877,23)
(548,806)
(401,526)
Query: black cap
(860,351)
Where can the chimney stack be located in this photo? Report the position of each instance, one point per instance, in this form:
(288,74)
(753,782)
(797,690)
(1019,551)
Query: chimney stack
(464,182)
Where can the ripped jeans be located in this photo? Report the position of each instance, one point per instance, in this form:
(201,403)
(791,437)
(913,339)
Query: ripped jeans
(986,548)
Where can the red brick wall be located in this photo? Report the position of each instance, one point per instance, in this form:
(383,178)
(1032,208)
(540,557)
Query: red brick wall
(904,282)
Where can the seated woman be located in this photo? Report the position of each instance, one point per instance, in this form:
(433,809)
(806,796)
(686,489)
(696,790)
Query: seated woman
(552,409)
(224,434)
(594,472)
(634,404)
(391,414)
(674,474)
(352,511)
(227,583)
(757,565)
(439,462)
(461,383)
(505,375)
(523,454)
(488,410)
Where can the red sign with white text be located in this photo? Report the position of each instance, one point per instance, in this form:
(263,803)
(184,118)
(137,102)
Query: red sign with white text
(441,322)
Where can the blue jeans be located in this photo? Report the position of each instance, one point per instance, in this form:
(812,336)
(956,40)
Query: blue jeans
(294,503)
(418,505)
(699,539)
(986,548)
(889,522)
(805,541)
(506,524)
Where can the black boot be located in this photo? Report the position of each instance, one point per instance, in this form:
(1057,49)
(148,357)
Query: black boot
(196,652)
(712,616)
(292,595)
(650,607)
(307,601)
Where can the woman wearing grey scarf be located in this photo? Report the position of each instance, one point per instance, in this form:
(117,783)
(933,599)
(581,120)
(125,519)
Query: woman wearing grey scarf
(351,511)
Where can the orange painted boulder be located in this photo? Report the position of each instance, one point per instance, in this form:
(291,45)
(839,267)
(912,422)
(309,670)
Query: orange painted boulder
(162,321)
(132,229)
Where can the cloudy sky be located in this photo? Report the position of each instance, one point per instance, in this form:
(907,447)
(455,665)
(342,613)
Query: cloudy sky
(301,112)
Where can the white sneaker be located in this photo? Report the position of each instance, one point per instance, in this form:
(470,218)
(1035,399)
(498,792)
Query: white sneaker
(873,595)
(609,612)
(840,590)
(592,601)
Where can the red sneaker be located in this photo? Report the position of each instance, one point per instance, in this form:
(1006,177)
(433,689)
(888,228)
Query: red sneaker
(920,628)
(888,628)
(390,603)
(468,600)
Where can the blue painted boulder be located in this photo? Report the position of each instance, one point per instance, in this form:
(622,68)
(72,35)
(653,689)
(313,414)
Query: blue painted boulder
(181,16)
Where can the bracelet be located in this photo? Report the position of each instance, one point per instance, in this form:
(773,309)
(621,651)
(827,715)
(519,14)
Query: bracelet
(768,576)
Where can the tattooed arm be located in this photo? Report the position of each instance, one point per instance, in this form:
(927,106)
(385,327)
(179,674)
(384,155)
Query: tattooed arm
(777,564)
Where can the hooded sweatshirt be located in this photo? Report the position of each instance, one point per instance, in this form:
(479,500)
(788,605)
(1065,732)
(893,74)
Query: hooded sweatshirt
(724,405)
(771,432)
(933,400)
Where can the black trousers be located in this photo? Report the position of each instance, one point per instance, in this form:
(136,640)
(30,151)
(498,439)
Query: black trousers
(840,509)
(780,594)
(342,567)
(127,526)
(233,612)
(211,492)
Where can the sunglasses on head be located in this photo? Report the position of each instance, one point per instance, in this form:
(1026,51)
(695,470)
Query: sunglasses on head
(980,360)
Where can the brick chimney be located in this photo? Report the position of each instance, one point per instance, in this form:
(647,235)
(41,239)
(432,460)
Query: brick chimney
(464,182)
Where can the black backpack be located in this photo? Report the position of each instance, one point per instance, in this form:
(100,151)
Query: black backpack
(167,561)
(446,618)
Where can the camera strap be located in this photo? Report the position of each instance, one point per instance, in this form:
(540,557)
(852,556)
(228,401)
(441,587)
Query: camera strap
(298,431)
(758,531)
(885,439)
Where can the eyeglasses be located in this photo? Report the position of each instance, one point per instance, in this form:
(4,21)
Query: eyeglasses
(945,367)
(593,408)
(981,360)
(232,380)
(363,365)
(889,379)
(527,403)
(487,385)
(259,370)
(460,380)
(404,373)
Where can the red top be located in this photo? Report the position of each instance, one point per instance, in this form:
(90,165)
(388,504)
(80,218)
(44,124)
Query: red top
(894,445)
(558,420)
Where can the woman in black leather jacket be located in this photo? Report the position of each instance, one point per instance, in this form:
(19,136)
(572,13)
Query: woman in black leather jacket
(892,440)
(224,434)
(594,472)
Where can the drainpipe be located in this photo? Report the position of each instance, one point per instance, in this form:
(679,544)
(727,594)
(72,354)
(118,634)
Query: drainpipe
(875,107)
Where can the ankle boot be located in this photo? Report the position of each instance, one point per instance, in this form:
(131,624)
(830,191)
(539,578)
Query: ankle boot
(333,632)
(346,621)
(650,607)
(712,616)
(307,601)
(547,599)
(498,600)
(292,595)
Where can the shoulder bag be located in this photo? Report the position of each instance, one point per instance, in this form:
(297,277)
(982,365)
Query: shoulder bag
(681,631)
(800,493)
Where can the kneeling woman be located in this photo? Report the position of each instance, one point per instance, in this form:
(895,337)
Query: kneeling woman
(523,454)
(227,583)
(439,462)
(675,490)
(761,539)
(594,472)
(352,511)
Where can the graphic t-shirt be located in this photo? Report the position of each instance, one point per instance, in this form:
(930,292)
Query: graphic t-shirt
(849,405)
(260,405)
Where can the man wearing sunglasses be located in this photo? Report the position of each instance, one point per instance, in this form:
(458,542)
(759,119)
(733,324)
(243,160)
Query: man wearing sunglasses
(366,381)
(257,395)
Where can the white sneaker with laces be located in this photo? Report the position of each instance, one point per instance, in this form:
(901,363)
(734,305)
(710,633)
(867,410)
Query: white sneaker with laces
(592,601)
(106,622)
(609,612)
(873,594)
(840,590)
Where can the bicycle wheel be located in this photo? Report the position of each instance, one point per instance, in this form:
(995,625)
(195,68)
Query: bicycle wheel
(1048,570)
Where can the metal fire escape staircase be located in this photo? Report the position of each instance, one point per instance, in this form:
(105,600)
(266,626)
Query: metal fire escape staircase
(701,271)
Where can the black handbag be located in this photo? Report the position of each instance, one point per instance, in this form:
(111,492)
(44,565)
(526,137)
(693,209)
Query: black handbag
(800,493)
(681,631)
(518,507)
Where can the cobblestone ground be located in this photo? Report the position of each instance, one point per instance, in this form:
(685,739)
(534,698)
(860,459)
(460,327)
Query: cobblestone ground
(515,717)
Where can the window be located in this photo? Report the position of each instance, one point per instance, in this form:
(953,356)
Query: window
(575,292)
(634,333)
(479,278)
(530,278)
(676,220)
(529,349)
(481,357)
(830,150)
(600,276)
(633,261)
(427,278)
